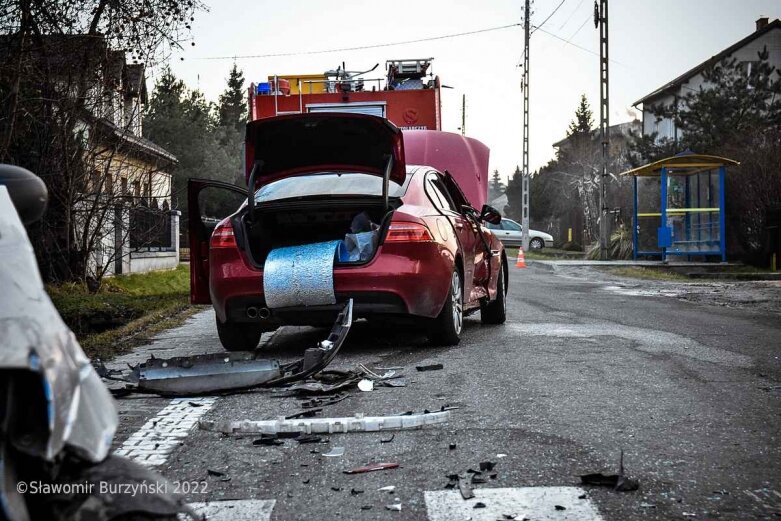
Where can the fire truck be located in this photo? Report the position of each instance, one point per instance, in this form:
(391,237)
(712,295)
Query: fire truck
(408,96)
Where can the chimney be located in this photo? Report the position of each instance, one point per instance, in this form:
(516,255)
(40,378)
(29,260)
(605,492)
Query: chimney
(762,22)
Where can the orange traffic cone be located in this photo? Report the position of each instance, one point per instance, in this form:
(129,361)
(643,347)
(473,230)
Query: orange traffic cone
(521,263)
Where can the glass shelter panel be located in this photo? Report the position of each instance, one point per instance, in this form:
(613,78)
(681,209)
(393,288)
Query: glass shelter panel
(648,214)
(693,212)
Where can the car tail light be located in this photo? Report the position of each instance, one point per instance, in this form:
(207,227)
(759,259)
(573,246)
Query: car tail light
(408,232)
(223,236)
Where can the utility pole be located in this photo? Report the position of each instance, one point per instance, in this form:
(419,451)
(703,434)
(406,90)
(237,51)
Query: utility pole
(525,87)
(463,114)
(600,21)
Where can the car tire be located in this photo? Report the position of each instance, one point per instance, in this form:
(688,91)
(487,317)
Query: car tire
(536,244)
(495,312)
(238,337)
(445,330)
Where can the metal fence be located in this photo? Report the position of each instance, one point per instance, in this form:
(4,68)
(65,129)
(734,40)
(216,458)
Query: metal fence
(150,230)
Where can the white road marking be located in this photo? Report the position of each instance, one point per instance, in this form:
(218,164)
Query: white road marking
(537,503)
(152,443)
(234,510)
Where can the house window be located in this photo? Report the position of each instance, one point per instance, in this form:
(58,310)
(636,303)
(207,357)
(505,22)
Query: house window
(137,188)
(123,185)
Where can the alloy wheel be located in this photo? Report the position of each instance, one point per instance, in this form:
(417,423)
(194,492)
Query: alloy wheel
(455,290)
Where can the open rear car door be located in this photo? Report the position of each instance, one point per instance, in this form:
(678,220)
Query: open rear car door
(208,202)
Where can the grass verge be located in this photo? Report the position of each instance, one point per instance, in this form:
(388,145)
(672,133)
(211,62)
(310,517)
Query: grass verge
(127,311)
(646,273)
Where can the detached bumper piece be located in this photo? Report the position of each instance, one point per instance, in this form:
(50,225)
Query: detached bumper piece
(215,373)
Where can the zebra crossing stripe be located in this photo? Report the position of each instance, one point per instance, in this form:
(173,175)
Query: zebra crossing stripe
(234,510)
(151,444)
(537,503)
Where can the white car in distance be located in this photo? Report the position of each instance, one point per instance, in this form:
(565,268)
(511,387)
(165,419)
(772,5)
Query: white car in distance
(511,234)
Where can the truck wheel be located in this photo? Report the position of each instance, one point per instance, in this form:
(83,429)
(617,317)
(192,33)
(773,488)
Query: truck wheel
(446,328)
(238,337)
(536,244)
(496,312)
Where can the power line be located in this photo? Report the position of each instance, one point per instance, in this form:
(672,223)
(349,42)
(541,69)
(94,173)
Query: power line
(589,17)
(579,46)
(574,11)
(358,48)
(549,16)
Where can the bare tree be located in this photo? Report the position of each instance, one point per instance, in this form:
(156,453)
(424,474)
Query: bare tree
(71,95)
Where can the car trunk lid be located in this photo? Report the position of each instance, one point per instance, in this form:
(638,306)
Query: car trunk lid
(296,144)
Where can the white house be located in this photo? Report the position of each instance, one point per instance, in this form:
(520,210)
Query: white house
(766,36)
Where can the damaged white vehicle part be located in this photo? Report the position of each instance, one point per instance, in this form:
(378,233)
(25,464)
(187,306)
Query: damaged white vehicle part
(357,423)
(300,275)
(81,412)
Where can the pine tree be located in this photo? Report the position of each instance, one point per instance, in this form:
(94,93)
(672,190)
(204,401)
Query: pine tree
(584,119)
(496,186)
(233,102)
(513,210)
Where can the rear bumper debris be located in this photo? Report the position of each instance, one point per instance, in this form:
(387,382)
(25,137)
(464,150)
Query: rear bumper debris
(214,373)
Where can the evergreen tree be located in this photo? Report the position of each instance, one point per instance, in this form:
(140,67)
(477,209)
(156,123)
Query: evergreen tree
(584,119)
(233,102)
(514,207)
(495,187)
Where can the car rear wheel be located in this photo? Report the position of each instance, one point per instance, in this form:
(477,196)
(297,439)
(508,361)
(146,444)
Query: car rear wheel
(238,337)
(495,312)
(536,244)
(446,328)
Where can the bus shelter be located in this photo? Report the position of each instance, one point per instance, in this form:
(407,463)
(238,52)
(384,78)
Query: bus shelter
(679,206)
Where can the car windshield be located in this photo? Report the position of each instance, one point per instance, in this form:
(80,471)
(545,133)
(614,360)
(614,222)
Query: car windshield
(332,184)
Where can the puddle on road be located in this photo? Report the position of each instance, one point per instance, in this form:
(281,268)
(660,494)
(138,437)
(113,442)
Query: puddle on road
(649,340)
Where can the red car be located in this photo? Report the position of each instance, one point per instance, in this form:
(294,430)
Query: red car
(314,176)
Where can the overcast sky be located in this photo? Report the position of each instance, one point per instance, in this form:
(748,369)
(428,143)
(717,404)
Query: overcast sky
(651,42)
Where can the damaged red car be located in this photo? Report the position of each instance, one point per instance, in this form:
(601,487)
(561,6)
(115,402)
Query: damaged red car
(333,212)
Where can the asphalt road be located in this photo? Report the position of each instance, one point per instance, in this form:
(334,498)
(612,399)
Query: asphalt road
(583,369)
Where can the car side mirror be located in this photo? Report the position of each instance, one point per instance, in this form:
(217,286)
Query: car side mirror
(27,190)
(490,214)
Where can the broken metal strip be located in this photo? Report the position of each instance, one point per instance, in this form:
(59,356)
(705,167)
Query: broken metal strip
(327,425)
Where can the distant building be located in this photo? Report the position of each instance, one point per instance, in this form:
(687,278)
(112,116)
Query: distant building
(766,36)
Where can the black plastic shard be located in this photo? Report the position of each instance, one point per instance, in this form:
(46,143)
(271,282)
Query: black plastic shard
(432,367)
(618,482)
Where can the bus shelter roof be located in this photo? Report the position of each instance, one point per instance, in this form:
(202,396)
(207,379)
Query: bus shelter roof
(682,164)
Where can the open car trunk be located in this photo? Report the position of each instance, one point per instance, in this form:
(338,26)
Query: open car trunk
(359,224)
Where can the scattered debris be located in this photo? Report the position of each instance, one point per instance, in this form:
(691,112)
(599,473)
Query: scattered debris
(336,489)
(366,385)
(372,468)
(432,367)
(452,446)
(268,439)
(479,505)
(395,368)
(195,404)
(464,486)
(559,507)
(322,402)
(308,438)
(311,413)
(389,489)
(487,466)
(500,456)
(355,491)
(395,507)
(357,423)
(334,452)
(393,382)
(647,505)
(617,482)
(388,440)
(582,496)
(215,473)
(366,507)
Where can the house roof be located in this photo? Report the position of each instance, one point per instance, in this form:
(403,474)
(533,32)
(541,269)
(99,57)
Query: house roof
(137,143)
(775,24)
(618,129)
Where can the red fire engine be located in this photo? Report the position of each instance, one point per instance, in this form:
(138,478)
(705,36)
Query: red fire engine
(409,96)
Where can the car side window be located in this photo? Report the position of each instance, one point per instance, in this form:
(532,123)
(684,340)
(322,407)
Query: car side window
(492,226)
(439,194)
(509,225)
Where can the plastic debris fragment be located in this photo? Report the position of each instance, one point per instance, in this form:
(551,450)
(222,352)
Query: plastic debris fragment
(357,423)
(334,452)
(372,468)
(366,385)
